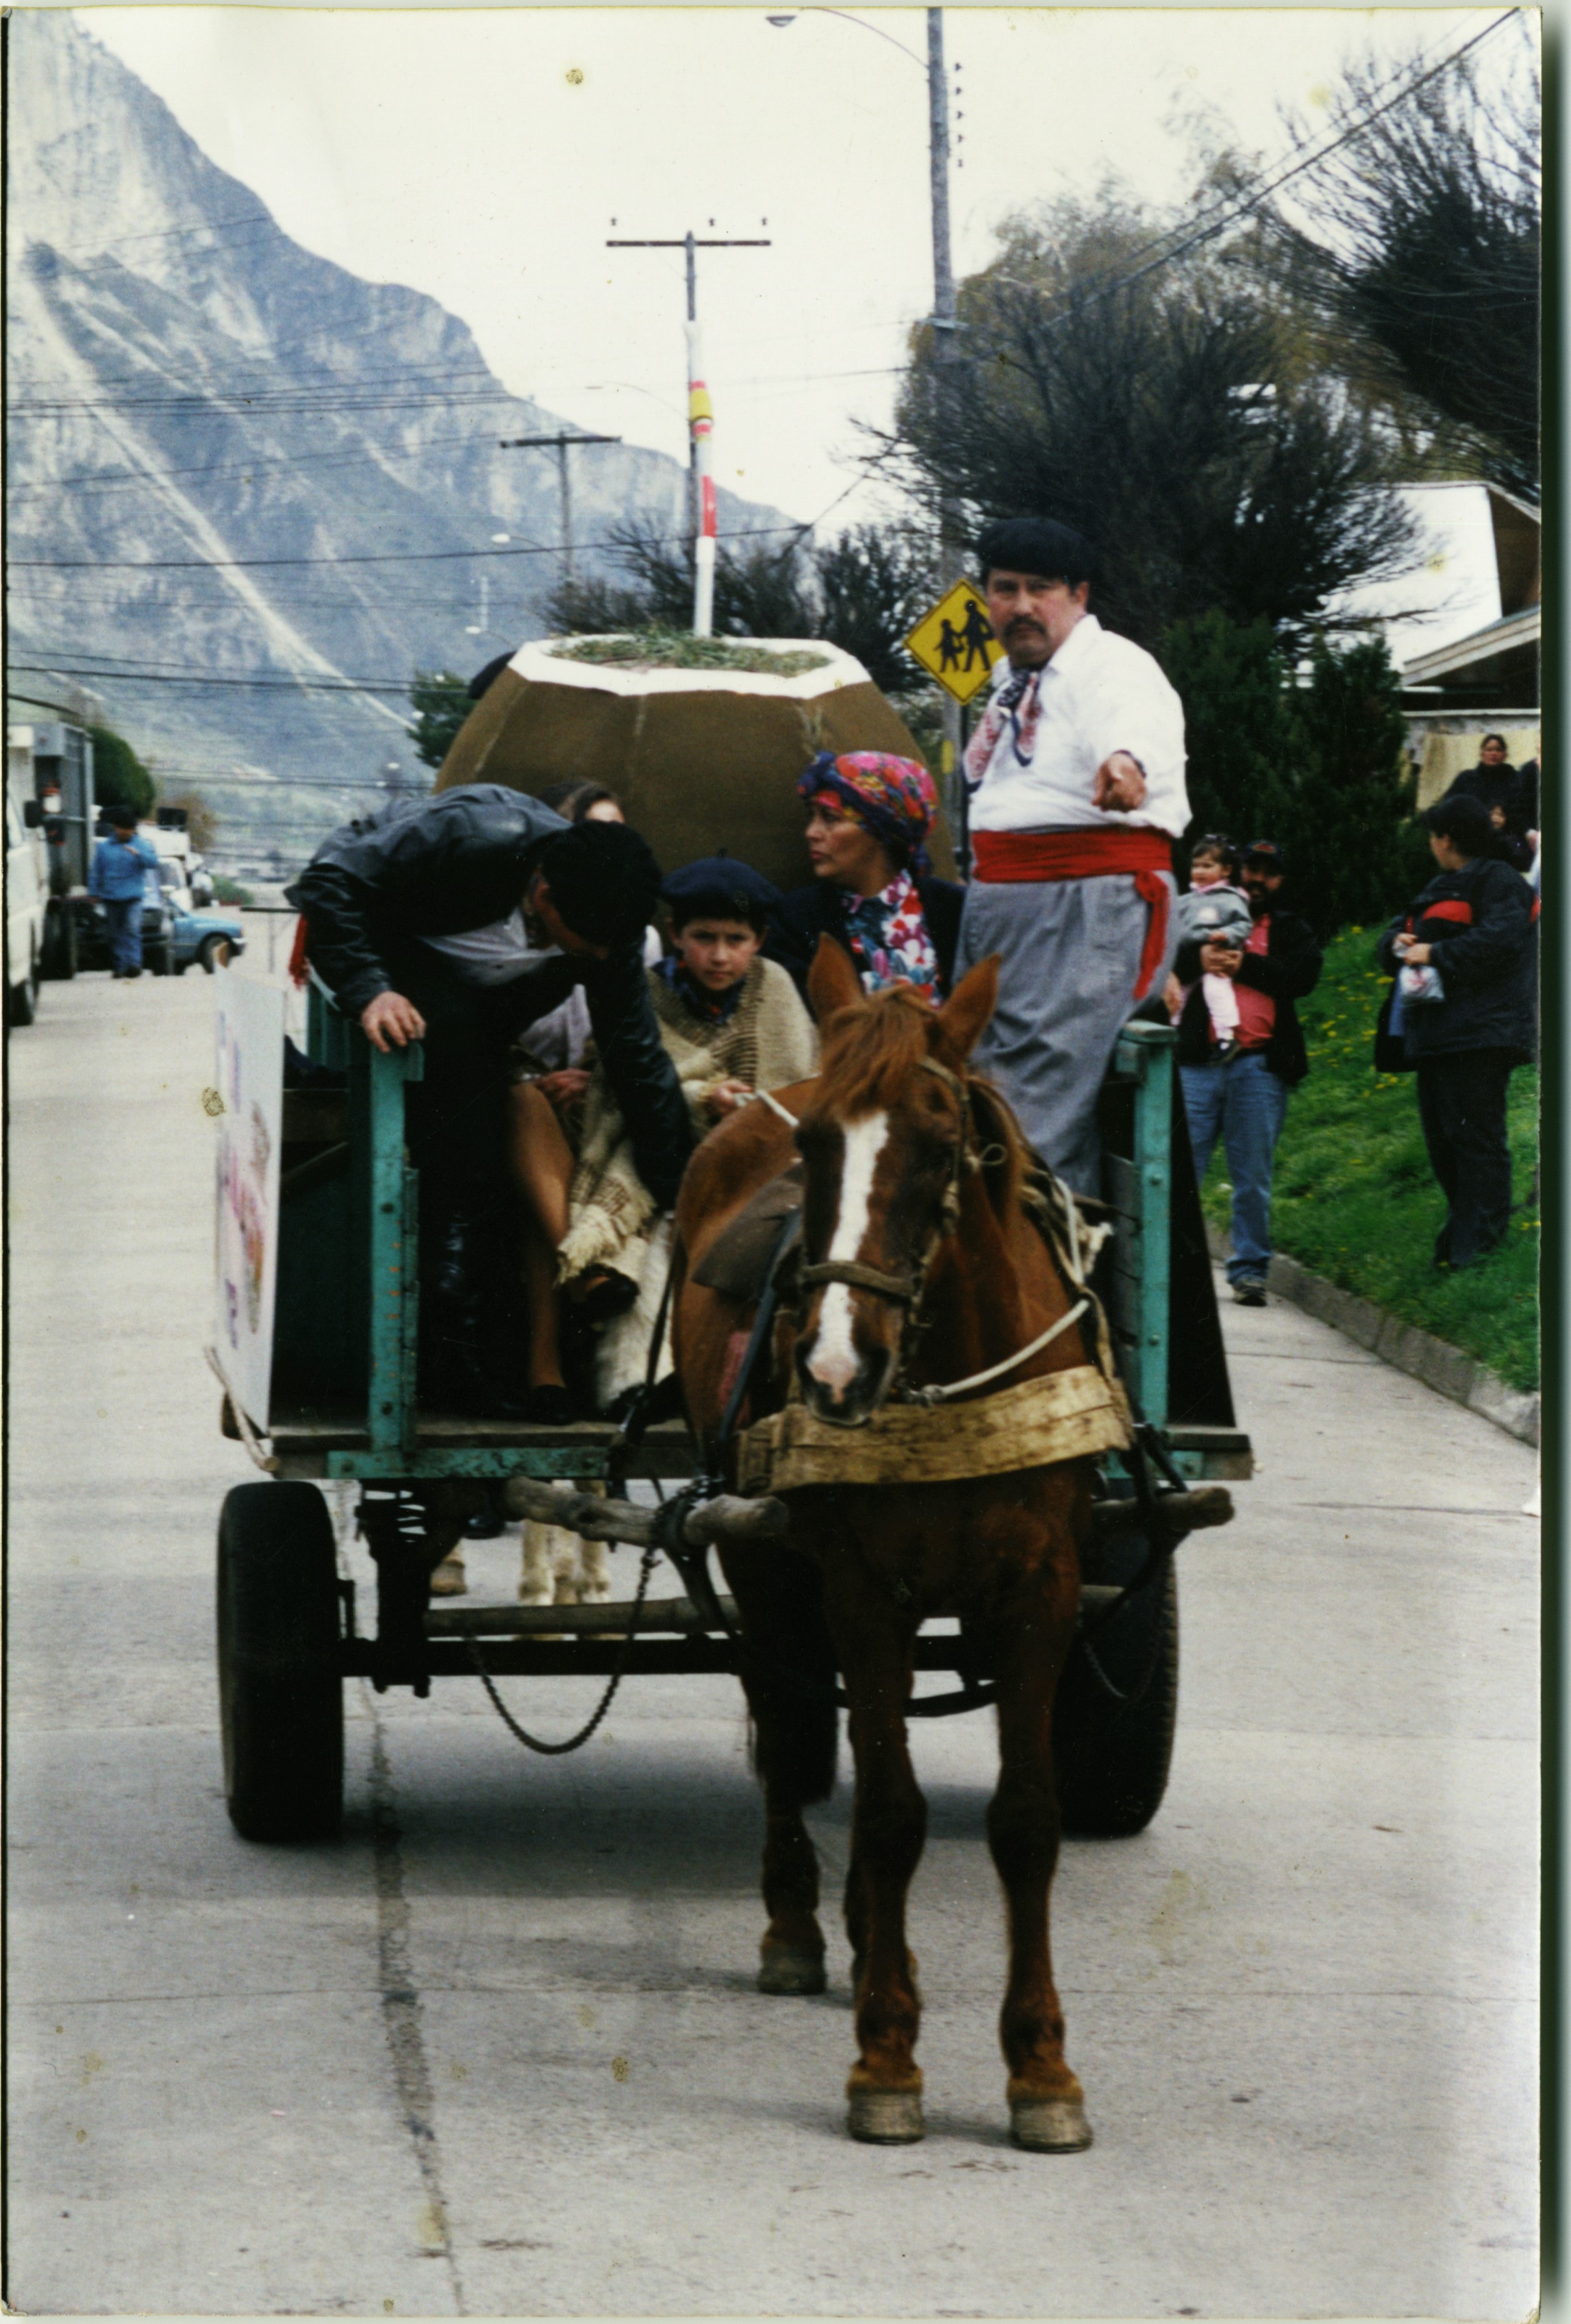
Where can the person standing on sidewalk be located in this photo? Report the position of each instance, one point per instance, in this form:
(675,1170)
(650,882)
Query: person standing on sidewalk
(1076,794)
(117,876)
(1242,1097)
(1474,926)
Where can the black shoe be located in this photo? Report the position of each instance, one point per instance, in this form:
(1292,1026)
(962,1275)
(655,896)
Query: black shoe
(1249,1291)
(487,1526)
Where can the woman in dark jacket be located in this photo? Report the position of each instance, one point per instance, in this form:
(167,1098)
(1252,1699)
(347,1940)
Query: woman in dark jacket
(868,819)
(1474,925)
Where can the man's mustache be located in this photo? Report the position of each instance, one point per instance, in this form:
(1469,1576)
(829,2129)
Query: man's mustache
(1023,622)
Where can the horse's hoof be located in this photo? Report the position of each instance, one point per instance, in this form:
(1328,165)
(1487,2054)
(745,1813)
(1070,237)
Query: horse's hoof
(791,1968)
(448,1579)
(1049,2125)
(886,2117)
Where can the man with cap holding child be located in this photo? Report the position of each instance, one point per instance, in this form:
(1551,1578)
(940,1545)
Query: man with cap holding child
(1239,1091)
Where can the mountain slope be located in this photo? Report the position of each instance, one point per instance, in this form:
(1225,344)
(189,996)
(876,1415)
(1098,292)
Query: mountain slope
(232,461)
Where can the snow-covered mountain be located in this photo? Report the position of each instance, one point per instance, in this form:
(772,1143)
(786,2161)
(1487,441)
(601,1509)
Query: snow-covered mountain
(230,460)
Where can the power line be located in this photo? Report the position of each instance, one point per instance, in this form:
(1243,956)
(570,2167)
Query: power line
(1231,208)
(383,557)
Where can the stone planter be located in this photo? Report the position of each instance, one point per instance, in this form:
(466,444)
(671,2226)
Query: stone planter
(699,759)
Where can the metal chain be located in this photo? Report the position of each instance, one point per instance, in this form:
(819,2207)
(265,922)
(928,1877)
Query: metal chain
(574,1742)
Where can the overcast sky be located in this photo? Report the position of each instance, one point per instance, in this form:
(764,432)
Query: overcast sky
(485,155)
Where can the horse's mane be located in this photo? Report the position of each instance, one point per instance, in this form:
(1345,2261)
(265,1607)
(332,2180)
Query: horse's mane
(872,1050)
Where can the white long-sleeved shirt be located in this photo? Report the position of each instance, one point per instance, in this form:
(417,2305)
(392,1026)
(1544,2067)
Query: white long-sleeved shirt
(1098,694)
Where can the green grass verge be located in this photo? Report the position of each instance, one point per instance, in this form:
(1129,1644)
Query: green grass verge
(1354,1197)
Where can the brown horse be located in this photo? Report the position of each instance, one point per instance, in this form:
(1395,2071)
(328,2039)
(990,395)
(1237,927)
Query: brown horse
(920,1266)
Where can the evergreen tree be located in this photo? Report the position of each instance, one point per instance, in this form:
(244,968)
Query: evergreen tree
(119,776)
(1353,860)
(443,704)
(1248,753)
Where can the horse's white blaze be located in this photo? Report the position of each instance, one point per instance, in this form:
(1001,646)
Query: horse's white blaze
(834,1360)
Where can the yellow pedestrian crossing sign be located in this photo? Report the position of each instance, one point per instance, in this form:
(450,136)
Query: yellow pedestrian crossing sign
(955,642)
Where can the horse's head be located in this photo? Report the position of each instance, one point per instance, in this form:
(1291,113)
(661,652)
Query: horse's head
(882,1146)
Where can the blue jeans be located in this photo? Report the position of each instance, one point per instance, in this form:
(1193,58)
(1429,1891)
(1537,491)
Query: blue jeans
(1244,1103)
(124,914)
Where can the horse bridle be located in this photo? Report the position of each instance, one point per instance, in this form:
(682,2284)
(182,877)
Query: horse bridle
(907,1290)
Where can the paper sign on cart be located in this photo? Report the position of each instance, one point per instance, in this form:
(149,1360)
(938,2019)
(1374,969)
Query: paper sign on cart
(247,1100)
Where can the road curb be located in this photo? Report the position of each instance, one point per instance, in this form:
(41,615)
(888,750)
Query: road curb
(1447,1369)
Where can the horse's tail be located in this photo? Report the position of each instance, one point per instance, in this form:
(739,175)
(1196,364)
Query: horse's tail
(788,1670)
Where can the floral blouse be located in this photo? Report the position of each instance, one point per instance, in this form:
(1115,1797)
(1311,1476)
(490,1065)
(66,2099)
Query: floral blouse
(888,939)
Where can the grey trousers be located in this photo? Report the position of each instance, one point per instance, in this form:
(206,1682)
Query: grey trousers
(1071,953)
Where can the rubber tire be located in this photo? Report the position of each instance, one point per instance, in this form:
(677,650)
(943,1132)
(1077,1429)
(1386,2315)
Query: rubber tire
(1112,1758)
(22,1000)
(161,958)
(208,952)
(280,1692)
(59,943)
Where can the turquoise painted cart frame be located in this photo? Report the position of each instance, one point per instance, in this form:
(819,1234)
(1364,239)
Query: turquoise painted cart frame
(392,1443)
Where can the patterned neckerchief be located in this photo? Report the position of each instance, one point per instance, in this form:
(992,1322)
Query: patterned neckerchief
(1018,702)
(888,939)
(712,1007)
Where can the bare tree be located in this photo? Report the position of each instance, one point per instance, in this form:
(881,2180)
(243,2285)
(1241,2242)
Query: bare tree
(862,591)
(1417,244)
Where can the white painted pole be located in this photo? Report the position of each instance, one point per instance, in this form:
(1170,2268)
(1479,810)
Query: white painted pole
(701,429)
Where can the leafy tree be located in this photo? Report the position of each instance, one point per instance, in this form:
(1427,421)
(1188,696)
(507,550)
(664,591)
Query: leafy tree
(442,702)
(1164,410)
(1417,246)
(119,776)
(230,891)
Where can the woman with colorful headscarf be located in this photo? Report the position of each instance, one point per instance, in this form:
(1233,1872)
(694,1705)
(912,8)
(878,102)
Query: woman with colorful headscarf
(868,819)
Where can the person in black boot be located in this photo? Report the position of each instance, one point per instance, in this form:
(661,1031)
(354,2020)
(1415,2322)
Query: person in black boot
(1471,930)
(456,925)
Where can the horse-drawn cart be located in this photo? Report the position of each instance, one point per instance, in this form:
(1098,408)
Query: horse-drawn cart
(316,1347)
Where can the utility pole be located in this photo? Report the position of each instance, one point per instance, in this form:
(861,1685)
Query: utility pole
(525,443)
(700,419)
(946,327)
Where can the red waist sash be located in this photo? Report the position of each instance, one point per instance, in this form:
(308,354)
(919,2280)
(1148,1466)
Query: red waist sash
(1047,855)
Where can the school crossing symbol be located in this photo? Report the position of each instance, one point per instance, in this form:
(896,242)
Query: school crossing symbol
(955,642)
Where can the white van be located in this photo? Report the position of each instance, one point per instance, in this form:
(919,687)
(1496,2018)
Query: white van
(26,902)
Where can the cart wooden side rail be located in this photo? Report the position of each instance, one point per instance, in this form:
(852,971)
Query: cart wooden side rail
(344,1406)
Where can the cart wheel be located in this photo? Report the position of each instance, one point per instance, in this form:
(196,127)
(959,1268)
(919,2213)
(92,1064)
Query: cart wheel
(280,1692)
(1112,1758)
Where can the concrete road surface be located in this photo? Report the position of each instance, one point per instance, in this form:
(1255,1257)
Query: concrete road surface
(499,2051)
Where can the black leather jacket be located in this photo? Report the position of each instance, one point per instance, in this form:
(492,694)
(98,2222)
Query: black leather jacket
(462,860)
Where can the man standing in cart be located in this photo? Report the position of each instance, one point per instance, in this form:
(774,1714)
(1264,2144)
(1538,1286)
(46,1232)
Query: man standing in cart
(1077,794)
(456,925)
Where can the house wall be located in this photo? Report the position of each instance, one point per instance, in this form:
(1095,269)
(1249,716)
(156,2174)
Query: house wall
(1445,748)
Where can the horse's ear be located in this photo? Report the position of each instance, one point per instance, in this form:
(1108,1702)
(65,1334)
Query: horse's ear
(972,1003)
(832,980)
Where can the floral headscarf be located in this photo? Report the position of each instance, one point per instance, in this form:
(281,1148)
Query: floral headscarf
(892,797)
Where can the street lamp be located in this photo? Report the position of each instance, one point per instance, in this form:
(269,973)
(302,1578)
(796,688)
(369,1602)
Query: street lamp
(944,318)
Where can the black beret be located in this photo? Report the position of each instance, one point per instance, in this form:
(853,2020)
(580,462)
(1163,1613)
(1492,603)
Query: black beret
(1038,545)
(722,886)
